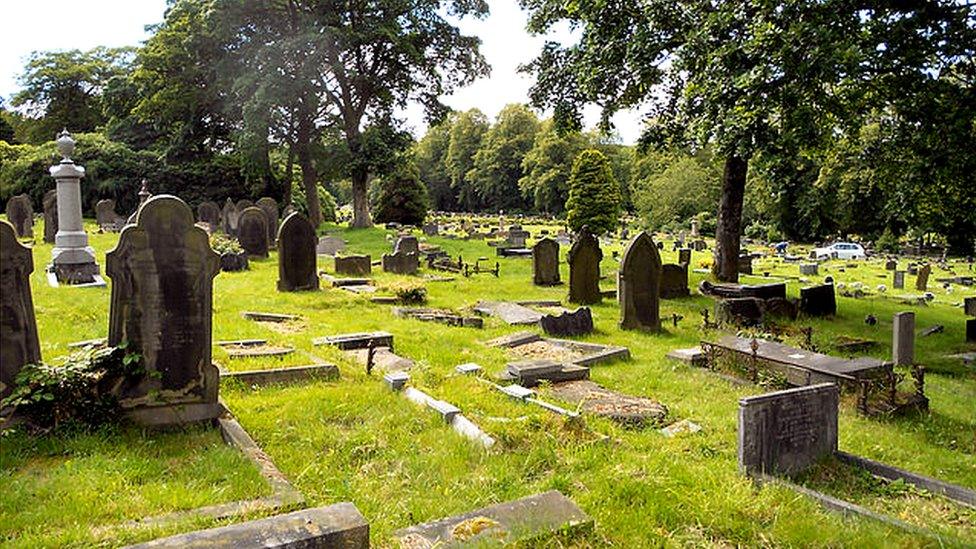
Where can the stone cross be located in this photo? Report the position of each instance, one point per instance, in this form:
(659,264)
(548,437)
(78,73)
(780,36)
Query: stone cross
(545,262)
(584,268)
(19,344)
(638,285)
(296,255)
(72,257)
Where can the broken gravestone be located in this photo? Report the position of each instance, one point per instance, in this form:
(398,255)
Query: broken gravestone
(545,262)
(296,255)
(922,279)
(578,322)
(400,262)
(252,231)
(584,269)
(638,284)
(407,244)
(19,344)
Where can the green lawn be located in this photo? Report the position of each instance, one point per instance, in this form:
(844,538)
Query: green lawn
(353,440)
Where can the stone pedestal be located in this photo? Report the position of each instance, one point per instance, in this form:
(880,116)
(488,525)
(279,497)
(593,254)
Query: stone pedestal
(73,260)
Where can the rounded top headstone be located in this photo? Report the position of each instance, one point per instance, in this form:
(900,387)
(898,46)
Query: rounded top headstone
(66,145)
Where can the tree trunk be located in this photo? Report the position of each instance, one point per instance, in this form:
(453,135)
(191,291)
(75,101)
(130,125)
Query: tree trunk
(360,201)
(729,227)
(289,172)
(309,177)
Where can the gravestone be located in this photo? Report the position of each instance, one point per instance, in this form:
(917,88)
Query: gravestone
(330,245)
(401,263)
(891,265)
(50,215)
(784,432)
(353,265)
(244,204)
(971,330)
(745,264)
(699,245)
(516,237)
(72,259)
(20,214)
(229,217)
(674,281)
(430,229)
(252,231)
(899,280)
(208,212)
(106,217)
(694,227)
(270,209)
(818,300)
(638,284)
(407,244)
(19,344)
(575,323)
(545,262)
(903,339)
(584,269)
(808,269)
(969,306)
(296,255)
(684,256)
(922,279)
(162,273)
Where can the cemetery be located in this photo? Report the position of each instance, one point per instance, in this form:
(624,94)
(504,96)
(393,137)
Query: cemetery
(269,279)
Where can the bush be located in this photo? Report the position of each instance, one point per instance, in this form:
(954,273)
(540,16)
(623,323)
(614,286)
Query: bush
(402,198)
(594,197)
(326,201)
(223,244)
(888,242)
(409,293)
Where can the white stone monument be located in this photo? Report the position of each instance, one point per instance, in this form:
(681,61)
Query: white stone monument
(73,260)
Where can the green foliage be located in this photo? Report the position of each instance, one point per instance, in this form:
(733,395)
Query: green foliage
(223,244)
(430,154)
(467,133)
(547,166)
(888,242)
(326,200)
(408,293)
(685,188)
(79,391)
(594,198)
(402,198)
(498,162)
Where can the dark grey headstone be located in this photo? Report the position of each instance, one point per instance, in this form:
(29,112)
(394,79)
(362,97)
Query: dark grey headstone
(578,322)
(353,265)
(229,217)
(252,231)
(674,281)
(231,262)
(209,212)
(808,269)
(971,330)
(401,263)
(407,244)
(20,214)
(50,215)
(244,204)
(584,269)
(899,280)
(684,256)
(784,432)
(903,339)
(638,284)
(741,311)
(19,344)
(162,273)
(891,265)
(270,209)
(106,217)
(922,279)
(818,300)
(969,306)
(296,255)
(745,264)
(545,262)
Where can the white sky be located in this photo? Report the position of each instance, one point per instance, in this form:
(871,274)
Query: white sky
(29,25)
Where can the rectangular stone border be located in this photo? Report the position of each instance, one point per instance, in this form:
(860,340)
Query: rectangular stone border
(283,375)
(52,281)
(597,351)
(959,494)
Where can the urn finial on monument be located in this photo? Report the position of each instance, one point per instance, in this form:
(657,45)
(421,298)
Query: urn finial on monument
(66,146)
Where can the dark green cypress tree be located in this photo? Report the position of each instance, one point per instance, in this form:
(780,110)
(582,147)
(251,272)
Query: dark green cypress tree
(402,198)
(594,198)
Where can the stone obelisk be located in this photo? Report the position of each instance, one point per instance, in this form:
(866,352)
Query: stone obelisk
(73,260)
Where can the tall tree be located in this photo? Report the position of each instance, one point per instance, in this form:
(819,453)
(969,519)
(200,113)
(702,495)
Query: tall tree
(430,155)
(467,132)
(498,163)
(594,197)
(547,166)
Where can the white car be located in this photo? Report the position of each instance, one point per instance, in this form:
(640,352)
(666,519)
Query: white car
(840,250)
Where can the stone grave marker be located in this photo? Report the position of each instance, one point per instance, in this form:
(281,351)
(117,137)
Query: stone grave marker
(407,244)
(20,214)
(353,265)
(638,284)
(575,323)
(784,432)
(545,262)
(19,344)
(229,217)
(208,212)
(510,313)
(162,273)
(899,280)
(50,215)
(922,279)
(106,217)
(296,255)
(401,262)
(684,256)
(516,237)
(584,269)
(252,231)
(745,264)
(330,245)
(674,281)
(818,300)
(903,339)
(891,265)
(808,269)
(969,306)
(270,209)
(244,204)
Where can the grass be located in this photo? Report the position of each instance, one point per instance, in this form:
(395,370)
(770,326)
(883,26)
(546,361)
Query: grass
(353,440)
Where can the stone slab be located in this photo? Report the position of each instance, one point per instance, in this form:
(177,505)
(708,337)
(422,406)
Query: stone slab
(529,373)
(467,368)
(513,340)
(500,524)
(517,391)
(619,407)
(283,375)
(268,317)
(359,340)
(693,356)
(396,380)
(383,359)
(510,313)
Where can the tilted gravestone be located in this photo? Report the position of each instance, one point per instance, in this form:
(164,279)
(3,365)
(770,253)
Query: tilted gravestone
(401,263)
(296,255)
(20,214)
(407,244)
(674,281)
(18,328)
(638,284)
(545,262)
(270,209)
(106,217)
(784,432)
(922,279)
(229,217)
(903,339)
(584,269)
(330,245)
(899,280)
(818,300)
(50,215)
(353,265)
(252,231)
(162,273)
(208,212)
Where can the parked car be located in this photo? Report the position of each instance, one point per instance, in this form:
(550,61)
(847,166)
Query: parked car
(840,250)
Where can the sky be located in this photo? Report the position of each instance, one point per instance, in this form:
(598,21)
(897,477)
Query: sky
(39,25)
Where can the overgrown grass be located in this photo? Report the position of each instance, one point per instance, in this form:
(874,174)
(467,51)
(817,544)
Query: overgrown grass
(352,440)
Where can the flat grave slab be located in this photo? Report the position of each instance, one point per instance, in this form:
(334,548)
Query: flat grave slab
(283,375)
(566,350)
(443,316)
(499,524)
(513,340)
(339,282)
(268,317)
(255,351)
(517,391)
(467,368)
(510,313)
(529,373)
(364,289)
(619,407)
(384,359)
(357,340)
(693,356)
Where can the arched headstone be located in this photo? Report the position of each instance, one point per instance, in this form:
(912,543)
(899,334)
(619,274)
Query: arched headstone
(252,231)
(296,255)
(545,262)
(162,275)
(228,218)
(18,328)
(270,209)
(106,217)
(50,215)
(407,244)
(209,212)
(584,269)
(244,204)
(20,214)
(638,283)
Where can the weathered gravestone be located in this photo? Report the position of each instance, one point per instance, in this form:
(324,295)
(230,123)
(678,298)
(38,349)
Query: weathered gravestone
(50,215)
(401,263)
(745,264)
(244,204)
(818,300)
(252,231)
(575,323)
(20,214)
(430,229)
(808,269)
(922,279)
(899,280)
(684,256)
(208,212)
(296,255)
(407,244)
(270,209)
(584,268)
(229,217)
(674,281)
(106,217)
(162,273)
(545,262)
(891,265)
(516,237)
(638,284)
(18,328)
(903,339)
(330,245)
(784,432)
(353,265)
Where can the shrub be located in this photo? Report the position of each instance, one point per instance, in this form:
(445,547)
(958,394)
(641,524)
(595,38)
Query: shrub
(594,197)
(402,198)
(326,201)
(223,244)
(887,242)
(409,293)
